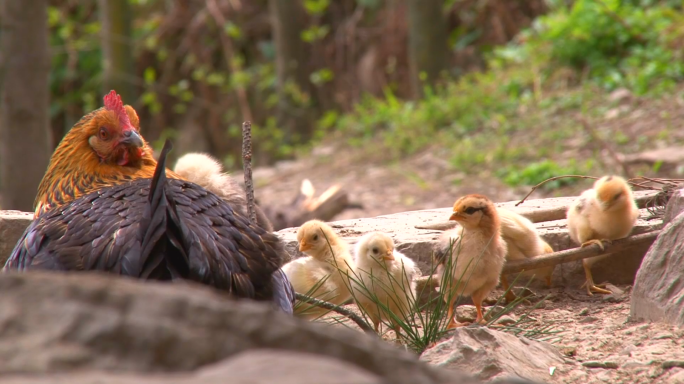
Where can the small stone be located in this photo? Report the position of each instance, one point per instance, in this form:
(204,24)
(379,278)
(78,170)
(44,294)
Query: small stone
(588,319)
(673,363)
(614,289)
(663,336)
(600,364)
(627,351)
(584,312)
(506,320)
(569,351)
(614,298)
(466,313)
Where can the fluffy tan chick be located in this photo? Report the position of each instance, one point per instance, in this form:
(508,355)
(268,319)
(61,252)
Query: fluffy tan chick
(478,254)
(523,242)
(324,273)
(207,172)
(601,214)
(383,275)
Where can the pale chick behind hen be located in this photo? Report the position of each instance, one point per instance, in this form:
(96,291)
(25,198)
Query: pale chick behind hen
(601,214)
(523,242)
(207,172)
(327,268)
(384,275)
(477,257)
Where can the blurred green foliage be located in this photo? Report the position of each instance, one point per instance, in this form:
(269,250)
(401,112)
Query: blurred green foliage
(561,63)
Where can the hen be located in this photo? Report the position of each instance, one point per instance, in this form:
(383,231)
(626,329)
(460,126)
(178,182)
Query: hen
(111,214)
(104,148)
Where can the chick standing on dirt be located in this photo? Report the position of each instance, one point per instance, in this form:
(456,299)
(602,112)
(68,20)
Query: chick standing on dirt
(207,172)
(523,242)
(477,256)
(326,268)
(606,212)
(383,275)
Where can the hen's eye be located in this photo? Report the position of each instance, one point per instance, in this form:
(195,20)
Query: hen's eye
(315,237)
(103,133)
(375,250)
(470,210)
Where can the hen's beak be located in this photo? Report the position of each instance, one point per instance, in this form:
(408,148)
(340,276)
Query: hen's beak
(456,215)
(304,246)
(389,256)
(131,138)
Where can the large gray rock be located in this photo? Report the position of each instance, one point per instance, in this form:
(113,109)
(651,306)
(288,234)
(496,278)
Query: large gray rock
(658,293)
(488,355)
(58,322)
(12,226)
(674,207)
(251,367)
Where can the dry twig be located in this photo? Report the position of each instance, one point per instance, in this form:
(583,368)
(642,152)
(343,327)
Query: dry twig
(247,167)
(551,179)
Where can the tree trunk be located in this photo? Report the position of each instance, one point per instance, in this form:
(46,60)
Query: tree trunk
(117,58)
(428,50)
(288,20)
(24,101)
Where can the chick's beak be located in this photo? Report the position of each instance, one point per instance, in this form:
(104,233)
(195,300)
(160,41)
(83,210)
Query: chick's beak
(455,216)
(304,246)
(389,256)
(131,138)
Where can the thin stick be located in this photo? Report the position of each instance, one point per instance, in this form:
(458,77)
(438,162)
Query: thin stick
(579,253)
(342,311)
(552,179)
(247,167)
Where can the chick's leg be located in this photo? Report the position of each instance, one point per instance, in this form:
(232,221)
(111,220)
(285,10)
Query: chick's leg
(450,314)
(597,242)
(591,287)
(478,296)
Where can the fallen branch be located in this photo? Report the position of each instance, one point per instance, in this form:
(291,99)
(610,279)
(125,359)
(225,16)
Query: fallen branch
(247,168)
(336,308)
(573,254)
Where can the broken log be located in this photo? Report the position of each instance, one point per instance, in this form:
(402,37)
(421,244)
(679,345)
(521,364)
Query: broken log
(305,207)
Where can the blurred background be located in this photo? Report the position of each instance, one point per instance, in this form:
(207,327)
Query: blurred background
(404,104)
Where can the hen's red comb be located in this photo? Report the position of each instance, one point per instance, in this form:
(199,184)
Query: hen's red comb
(112,102)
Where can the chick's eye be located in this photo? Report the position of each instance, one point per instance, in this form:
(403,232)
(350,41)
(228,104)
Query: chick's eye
(103,133)
(315,237)
(375,250)
(470,210)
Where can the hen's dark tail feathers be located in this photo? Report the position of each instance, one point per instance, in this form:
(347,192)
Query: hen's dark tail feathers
(162,254)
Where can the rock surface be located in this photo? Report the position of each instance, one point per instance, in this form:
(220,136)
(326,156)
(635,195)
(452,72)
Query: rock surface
(12,226)
(251,367)
(488,354)
(674,207)
(658,293)
(58,322)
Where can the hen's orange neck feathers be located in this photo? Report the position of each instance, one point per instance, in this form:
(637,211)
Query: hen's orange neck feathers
(76,168)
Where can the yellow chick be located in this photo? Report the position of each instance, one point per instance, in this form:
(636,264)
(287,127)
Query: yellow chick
(606,212)
(383,274)
(207,172)
(327,267)
(523,242)
(478,254)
